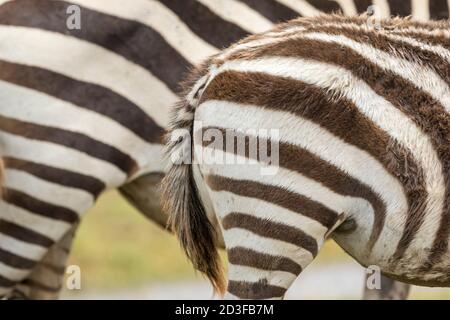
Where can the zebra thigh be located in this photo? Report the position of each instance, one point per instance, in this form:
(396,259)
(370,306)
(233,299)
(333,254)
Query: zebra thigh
(271,233)
(144,193)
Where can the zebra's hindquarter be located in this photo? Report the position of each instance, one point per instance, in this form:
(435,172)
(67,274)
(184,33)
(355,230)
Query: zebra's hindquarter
(274,218)
(351,147)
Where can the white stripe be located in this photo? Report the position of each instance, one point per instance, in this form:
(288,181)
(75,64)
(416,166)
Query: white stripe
(21,248)
(12,273)
(61,157)
(32,106)
(73,57)
(310,136)
(155,15)
(421,10)
(421,76)
(74,199)
(239,14)
(387,117)
(303,7)
(348,7)
(2,2)
(237,237)
(383,7)
(248,274)
(51,228)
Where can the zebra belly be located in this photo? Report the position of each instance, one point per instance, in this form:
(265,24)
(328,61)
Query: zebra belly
(413,265)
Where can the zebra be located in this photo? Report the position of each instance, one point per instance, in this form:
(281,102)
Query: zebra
(360,152)
(53,92)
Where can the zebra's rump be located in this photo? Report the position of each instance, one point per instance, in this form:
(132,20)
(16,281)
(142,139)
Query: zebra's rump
(363,119)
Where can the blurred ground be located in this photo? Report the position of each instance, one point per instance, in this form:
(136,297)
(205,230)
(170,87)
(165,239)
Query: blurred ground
(124,256)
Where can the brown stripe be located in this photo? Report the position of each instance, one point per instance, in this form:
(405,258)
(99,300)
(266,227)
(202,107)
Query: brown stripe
(276,195)
(84,95)
(16,261)
(70,139)
(24,201)
(400,7)
(363,5)
(133,40)
(255,290)
(439,9)
(205,23)
(269,229)
(340,117)
(59,176)
(24,234)
(272,10)
(6,283)
(250,258)
(326,6)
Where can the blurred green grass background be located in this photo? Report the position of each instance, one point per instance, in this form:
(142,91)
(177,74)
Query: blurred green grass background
(117,247)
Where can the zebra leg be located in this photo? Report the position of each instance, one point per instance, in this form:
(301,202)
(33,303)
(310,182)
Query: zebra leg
(270,234)
(36,214)
(390,290)
(145,195)
(46,280)
(265,257)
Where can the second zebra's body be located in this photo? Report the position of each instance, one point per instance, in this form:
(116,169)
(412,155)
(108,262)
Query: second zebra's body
(323,127)
(84,110)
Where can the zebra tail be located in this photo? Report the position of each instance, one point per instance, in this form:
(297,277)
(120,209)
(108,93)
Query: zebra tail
(181,200)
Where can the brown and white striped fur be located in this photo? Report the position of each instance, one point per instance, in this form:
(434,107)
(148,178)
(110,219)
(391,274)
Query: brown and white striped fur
(79,105)
(362,111)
